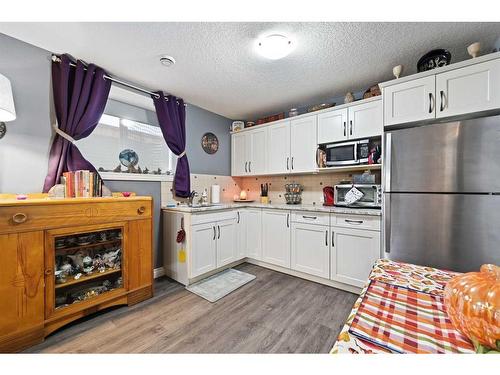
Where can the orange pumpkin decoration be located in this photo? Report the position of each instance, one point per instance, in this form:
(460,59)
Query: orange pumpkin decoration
(473,304)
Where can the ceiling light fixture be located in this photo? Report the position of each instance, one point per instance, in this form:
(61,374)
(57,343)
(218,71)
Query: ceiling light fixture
(274,46)
(167,61)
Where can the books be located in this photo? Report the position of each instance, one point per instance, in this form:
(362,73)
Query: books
(81,184)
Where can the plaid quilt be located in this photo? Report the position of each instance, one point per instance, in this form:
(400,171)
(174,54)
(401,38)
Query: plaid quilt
(403,320)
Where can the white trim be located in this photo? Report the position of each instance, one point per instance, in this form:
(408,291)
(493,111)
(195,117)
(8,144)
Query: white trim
(158,272)
(135,176)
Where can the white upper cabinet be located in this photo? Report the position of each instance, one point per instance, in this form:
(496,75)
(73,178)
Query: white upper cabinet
(410,101)
(474,88)
(278,148)
(258,147)
(365,120)
(303,144)
(239,162)
(276,237)
(332,126)
(249,153)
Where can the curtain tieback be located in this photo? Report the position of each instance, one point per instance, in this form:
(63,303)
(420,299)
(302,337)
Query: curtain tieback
(181,154)
(63,134)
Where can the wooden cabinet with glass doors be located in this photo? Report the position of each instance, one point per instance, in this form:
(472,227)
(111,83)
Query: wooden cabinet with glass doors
(57,271)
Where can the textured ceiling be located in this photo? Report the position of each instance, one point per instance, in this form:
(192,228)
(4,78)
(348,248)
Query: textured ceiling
(217,68)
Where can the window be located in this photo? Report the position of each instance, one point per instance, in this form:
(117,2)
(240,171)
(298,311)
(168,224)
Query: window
(113,135)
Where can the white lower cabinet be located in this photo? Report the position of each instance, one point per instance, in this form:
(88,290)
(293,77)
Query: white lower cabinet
(253,245)
(226,242)
(203,249)
(353,253)
(241,233)
(311,249)
(276,237)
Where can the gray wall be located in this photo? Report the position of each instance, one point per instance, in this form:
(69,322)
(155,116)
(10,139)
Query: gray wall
(25,148)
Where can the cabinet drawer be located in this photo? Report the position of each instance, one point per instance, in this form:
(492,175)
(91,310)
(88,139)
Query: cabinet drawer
(356,221)
(202,218)
(320,218)
(23,218)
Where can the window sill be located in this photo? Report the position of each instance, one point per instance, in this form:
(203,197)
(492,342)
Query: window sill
(135,177)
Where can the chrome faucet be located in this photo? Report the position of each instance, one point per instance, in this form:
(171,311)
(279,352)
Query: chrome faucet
(193,195)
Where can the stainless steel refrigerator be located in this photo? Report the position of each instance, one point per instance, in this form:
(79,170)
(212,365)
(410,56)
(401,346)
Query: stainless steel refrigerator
(442,194)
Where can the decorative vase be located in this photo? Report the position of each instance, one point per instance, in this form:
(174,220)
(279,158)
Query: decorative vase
(397,70)
(474,49)
(472,301)
(349,98)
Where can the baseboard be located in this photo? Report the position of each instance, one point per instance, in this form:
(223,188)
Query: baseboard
(158,272)
(305,276)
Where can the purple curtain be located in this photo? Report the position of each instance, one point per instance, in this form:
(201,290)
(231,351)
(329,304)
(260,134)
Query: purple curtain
(80,95)
(171,114)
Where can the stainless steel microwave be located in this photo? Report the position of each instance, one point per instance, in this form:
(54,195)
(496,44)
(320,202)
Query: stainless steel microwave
(372,195)
(347,153)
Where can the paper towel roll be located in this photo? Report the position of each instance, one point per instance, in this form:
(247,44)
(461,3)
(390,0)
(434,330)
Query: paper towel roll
(215,194)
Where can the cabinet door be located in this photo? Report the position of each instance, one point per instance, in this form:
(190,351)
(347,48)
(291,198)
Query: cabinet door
(311,249)
(140,256)
(203,251)
(365,120)
(410,101)
(278,148)
(226,242)
(276,237)
(254,233)
(258,156)
(241,234)
(303,144)
(353,253)
(474,88)
(238,154)
(21,288)
(332,126)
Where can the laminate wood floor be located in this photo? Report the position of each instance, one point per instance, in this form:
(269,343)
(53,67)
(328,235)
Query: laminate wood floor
(275,313)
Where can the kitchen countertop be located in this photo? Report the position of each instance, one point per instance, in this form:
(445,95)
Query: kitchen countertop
(277,206)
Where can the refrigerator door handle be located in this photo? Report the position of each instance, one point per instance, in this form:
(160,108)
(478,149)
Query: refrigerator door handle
(387,162)
(387,223)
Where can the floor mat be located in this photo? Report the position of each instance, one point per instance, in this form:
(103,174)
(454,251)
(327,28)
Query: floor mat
(220,285)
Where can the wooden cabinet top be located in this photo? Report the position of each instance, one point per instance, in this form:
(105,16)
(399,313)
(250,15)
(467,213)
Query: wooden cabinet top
(8,202)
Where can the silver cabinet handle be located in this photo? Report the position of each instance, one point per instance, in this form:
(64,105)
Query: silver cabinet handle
(287,160)
(357,222)
(309,217)
(350,127)
(444,101)
(246,171)
(345,125)
(326,237)
(333,236)
(288,220)
(238,217)
(213,239)
(249,168)
(218,228)
(431,102)
(292,162)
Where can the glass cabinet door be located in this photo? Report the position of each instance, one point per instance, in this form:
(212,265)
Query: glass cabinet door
(86,264)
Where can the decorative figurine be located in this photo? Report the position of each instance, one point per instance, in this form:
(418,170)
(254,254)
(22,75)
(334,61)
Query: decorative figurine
(349,98)
(474,49)
(397,70)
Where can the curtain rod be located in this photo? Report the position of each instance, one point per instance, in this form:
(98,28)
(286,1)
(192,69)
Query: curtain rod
(55,58)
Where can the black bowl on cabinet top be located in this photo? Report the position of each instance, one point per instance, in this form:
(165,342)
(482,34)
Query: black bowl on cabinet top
(434,59)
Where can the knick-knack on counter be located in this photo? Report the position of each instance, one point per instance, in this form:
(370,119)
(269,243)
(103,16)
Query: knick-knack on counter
(474,49)
(397,70)
(349,98)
